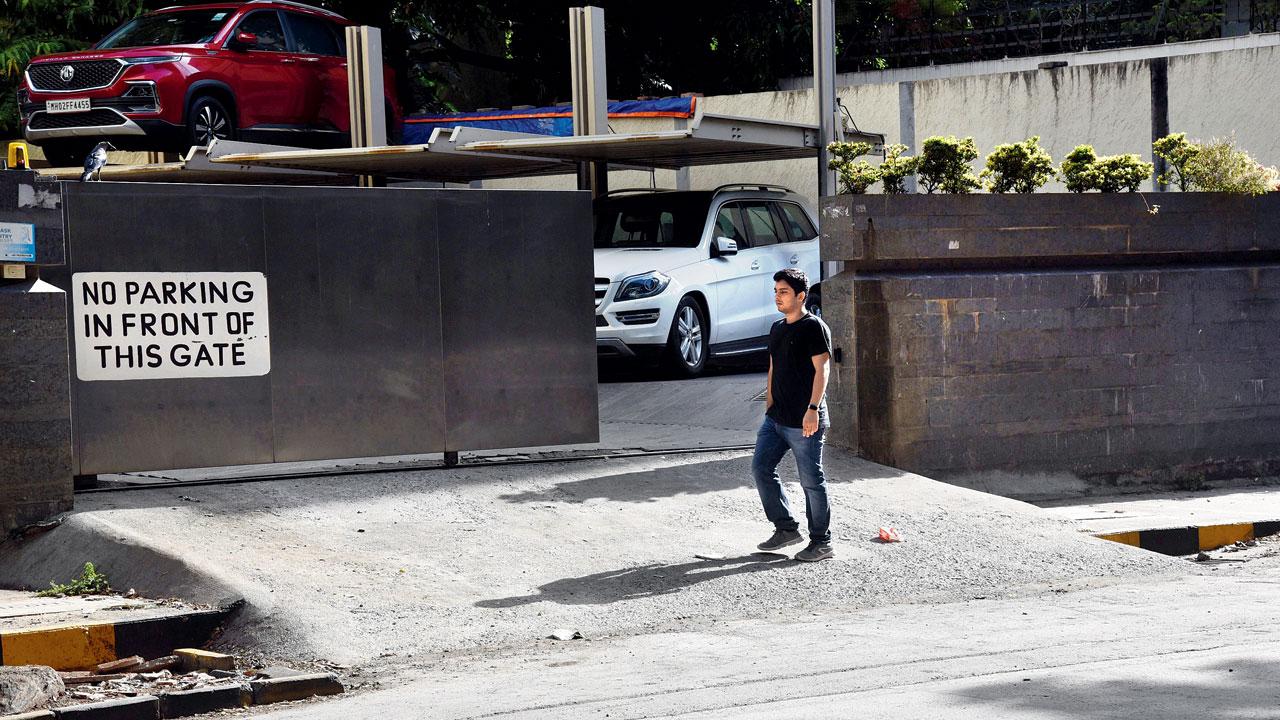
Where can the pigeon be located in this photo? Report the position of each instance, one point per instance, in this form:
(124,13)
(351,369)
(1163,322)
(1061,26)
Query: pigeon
(95,161)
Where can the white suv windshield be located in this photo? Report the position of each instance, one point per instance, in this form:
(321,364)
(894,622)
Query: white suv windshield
(652,221)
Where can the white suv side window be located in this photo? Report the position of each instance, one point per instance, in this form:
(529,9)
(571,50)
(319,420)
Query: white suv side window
(761,224)
(799,227)
(729,224)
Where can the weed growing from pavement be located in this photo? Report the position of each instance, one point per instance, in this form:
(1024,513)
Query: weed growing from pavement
(90,582)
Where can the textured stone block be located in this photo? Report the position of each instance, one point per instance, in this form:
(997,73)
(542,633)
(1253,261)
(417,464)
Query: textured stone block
(993,345)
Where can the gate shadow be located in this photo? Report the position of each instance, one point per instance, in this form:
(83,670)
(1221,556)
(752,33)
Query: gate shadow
(616,480)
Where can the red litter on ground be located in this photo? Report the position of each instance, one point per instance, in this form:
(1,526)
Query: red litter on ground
(889,535)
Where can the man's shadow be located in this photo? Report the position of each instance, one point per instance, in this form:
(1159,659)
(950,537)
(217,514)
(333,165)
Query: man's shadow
(641,581)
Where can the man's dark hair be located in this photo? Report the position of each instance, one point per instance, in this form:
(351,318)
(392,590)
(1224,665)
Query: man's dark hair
(794,277)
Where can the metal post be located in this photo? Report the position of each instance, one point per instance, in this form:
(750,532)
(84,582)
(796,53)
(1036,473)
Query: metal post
(824,88)
(366,96)
(590,97)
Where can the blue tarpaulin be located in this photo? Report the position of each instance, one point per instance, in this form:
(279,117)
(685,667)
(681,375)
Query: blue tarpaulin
(557,120)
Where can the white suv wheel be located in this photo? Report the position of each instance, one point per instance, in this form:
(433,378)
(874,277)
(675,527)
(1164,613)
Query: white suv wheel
(689,330)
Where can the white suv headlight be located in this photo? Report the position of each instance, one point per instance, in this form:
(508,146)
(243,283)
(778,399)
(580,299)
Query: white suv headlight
(642,286)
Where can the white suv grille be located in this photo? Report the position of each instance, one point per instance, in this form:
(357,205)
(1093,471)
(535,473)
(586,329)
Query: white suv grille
(602,289)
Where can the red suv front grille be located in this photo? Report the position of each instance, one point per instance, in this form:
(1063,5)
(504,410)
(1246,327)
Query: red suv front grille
(84,75)
(94,118)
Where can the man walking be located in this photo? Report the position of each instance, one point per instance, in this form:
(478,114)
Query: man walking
(796,419)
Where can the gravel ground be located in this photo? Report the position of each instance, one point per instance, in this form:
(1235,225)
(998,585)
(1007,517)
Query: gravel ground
(382,568)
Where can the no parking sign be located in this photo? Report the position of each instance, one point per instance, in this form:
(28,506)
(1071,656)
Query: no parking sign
(150,326)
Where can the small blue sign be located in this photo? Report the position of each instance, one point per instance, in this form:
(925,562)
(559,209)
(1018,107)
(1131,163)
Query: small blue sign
(17,242)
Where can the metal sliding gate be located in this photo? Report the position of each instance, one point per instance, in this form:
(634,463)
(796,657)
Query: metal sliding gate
(397,321)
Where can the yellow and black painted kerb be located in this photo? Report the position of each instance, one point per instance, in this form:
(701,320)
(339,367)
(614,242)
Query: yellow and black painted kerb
(1193,539)
(80,646)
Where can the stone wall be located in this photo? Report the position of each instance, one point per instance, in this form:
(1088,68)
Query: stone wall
(1057,332)
(35,405)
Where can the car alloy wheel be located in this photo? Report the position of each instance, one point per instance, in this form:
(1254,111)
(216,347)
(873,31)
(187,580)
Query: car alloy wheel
(211,122)
(209,119)
(689,333)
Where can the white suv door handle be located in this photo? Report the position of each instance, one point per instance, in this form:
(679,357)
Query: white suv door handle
(755,264)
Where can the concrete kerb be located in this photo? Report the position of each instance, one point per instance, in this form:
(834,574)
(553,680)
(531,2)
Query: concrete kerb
(82,646)
(143,707)
(1193,538)
(181,703)
(184,703)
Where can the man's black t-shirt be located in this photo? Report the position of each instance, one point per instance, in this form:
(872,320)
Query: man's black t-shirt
(792,348)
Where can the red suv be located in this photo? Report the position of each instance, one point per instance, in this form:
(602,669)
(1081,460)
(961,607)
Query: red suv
(269,71)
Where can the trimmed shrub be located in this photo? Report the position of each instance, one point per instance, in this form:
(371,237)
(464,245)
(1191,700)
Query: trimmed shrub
(1018,167)
(1219,166)
(1077,168)
(1178,152)
(944,165)
(855,175)
(895,169)
(1113,173)
(1083,170)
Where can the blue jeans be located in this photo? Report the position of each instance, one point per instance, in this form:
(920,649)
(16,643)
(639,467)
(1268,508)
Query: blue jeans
(772,442)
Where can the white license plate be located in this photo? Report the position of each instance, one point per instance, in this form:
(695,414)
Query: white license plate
(69,105)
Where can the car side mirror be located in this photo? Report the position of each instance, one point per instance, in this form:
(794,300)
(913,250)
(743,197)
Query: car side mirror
(724,246)
(243,40)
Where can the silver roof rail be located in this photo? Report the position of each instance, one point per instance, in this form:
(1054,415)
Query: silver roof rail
(303,6)
(753,186)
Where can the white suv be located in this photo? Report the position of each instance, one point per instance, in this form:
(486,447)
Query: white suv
(688,276)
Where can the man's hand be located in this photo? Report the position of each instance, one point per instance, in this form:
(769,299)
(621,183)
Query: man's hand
(810,423)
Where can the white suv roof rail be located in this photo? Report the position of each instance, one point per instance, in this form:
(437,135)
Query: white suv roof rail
(624,191)
(753,186)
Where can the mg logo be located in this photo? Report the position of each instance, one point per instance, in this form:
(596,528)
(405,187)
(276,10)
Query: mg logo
(67,73)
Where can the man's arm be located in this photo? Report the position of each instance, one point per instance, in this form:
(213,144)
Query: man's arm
(768,387)
(821,367)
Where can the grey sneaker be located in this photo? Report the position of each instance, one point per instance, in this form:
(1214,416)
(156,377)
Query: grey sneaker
(781,539)
(816,552)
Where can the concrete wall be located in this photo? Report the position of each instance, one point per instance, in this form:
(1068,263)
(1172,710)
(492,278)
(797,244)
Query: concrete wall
(1217,94)
(1108,106)
(1057,333)
(1106,99)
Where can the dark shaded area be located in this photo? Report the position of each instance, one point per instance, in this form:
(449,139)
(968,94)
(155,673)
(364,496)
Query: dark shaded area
(1222,689)
(649,580)
(617,370)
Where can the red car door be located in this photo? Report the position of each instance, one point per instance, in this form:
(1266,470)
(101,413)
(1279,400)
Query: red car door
(323,59)
(271,85)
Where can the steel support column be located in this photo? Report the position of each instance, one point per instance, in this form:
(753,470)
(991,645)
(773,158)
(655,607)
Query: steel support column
(365,92)
(824,88)
(590,97)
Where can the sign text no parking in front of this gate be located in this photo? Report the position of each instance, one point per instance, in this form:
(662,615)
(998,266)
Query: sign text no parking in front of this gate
(150,326)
